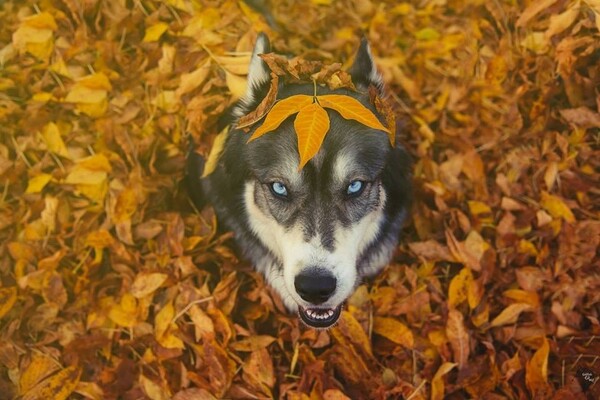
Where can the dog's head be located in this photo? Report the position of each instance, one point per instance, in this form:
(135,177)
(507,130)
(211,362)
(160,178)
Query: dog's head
(338,218)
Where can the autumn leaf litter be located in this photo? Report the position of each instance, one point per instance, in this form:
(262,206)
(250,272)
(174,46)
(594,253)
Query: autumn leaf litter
(114,286)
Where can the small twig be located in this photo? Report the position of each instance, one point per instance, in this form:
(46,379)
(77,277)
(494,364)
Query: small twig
(186,308)
(417,390)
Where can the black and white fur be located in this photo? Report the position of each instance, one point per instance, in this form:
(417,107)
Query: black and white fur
(315,244)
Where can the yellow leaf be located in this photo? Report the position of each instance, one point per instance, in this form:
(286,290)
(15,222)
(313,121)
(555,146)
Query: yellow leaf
(124,313)
(54,140)
(215,152)
(154,32)
(97,81)
(8,297)
(351,108)
(510,314)
(146,283)
(90,94)
(459,287)
(556,207)
(163,320)
(170,341)
(192,80)
(85,176)
(43,20)
(125,205)
(536,371)
(37,183)
(311,125)
(153,390)
(236,64)
(97,162)
(57,387)
(41,366)
(279,113)
(236,84)
(35,35)
(437,383)
(393,330)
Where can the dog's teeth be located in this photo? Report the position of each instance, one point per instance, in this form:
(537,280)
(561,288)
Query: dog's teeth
(330,312)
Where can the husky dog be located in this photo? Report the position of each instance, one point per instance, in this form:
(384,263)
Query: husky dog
(313,233)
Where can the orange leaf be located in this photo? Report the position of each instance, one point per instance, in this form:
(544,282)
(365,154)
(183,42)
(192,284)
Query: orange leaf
(351,108)
(536,372)
(556,207)
(311,125)
(40,367)
(437,383)
(510,314)
(394,330)
(458,291)
(279,113)
(8,297)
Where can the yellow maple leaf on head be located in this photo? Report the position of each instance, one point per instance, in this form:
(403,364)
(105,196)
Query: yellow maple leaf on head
(312,122)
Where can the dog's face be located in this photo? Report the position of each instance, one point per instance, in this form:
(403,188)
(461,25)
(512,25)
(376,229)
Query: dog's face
(326,226)
(318,221)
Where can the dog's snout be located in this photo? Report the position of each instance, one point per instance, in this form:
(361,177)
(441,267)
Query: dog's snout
(315,285)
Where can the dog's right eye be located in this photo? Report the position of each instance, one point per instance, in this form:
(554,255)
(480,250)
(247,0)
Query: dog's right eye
(278,189)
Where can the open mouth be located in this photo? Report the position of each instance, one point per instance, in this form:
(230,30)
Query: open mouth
(320,317)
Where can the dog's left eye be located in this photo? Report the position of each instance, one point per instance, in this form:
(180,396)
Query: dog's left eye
(279,189)
(355,188)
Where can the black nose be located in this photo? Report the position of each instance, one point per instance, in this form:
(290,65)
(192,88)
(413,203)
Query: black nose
(315,285)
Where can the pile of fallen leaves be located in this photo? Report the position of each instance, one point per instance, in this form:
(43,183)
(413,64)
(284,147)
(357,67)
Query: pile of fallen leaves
(113,286)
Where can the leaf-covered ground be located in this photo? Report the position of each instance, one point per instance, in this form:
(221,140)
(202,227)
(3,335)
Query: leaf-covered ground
(113,286)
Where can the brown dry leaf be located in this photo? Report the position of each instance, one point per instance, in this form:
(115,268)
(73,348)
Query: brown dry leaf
(311,125)
(263,108)
(253,343)
(581,117)
(258,370)
(560,22)
(394,330)
(146,283)
(334,394)
(458,337)
(194,394)
(532,10)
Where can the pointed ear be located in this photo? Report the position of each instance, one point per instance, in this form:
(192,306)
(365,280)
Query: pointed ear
(363,70)
(258,72)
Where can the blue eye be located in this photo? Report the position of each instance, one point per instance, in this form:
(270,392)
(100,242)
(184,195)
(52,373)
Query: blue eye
(279,189)
(355,187)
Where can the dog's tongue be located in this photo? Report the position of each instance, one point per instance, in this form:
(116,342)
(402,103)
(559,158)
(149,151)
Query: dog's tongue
(320,317)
